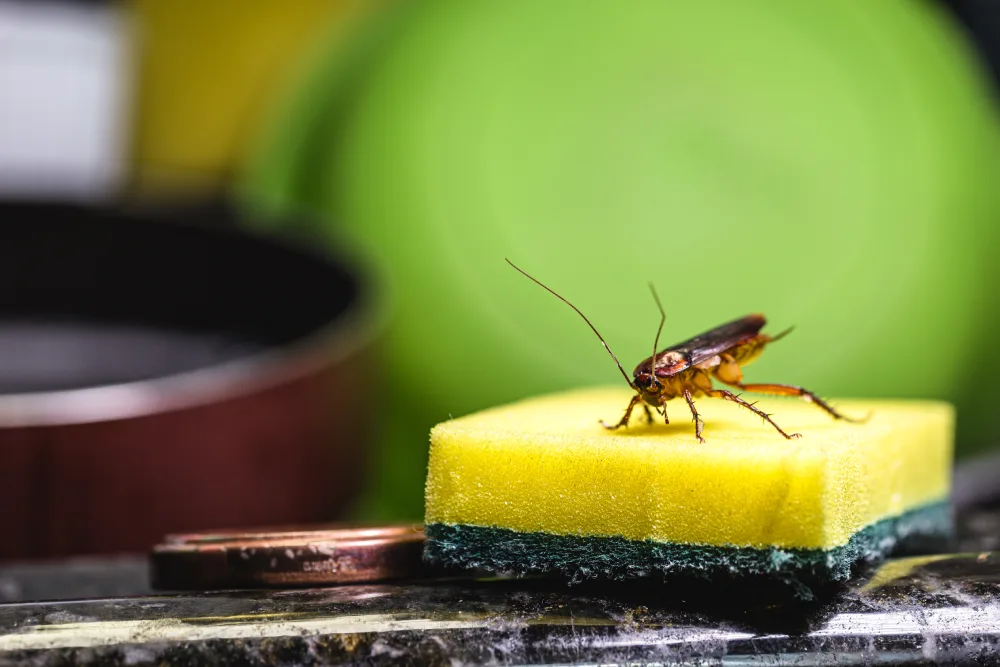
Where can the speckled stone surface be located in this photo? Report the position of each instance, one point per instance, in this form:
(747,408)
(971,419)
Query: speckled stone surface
(918,610)
(934,609)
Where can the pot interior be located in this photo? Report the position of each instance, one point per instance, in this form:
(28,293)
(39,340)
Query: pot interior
(93,297)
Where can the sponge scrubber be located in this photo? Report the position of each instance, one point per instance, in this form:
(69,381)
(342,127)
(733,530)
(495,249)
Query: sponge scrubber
(540,486)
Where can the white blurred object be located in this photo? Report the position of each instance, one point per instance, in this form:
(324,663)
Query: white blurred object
(65,111)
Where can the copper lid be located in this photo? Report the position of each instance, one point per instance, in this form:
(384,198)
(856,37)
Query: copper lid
(291,556)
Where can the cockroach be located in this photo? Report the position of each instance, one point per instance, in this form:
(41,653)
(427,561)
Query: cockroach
(687,369)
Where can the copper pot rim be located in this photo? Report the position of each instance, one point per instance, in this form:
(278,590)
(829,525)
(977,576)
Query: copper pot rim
(345,335)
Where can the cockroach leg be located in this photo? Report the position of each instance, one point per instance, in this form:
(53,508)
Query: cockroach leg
(624,420)
(699,424)
(649,415)
(730,396)
(792,390)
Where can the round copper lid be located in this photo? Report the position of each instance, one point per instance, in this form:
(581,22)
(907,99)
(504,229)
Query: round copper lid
(289,556)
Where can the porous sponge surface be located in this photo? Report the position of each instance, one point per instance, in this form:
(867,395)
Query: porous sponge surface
(546,465)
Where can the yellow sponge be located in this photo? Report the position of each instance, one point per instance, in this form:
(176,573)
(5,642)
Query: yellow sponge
(546,467)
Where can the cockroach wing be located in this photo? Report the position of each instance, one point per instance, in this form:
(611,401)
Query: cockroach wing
(692,352)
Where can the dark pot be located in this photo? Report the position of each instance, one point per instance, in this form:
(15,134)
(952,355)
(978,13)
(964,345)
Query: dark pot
(160,377)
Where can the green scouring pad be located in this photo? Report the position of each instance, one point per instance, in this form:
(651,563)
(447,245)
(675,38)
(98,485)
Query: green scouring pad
(540,487)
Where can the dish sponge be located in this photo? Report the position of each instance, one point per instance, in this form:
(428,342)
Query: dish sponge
(540,486)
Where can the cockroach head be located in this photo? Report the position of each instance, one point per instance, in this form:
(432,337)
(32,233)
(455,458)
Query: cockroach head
(648,386)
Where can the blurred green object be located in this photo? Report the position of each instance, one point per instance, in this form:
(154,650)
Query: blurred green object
(832,165)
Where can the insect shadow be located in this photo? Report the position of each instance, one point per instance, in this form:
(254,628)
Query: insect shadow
(689,369)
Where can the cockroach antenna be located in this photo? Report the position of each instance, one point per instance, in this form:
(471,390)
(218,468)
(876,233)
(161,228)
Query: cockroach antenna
(663,318)
(592,327)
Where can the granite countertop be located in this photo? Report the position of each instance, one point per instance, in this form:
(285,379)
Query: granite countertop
(939,608)
(917,610)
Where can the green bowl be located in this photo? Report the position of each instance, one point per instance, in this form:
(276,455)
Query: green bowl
(831,165)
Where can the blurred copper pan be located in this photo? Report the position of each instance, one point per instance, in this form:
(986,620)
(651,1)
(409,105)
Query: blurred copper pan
(164,372)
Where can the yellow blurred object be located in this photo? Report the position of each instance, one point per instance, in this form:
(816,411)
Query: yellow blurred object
(546,465)
(208,71)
